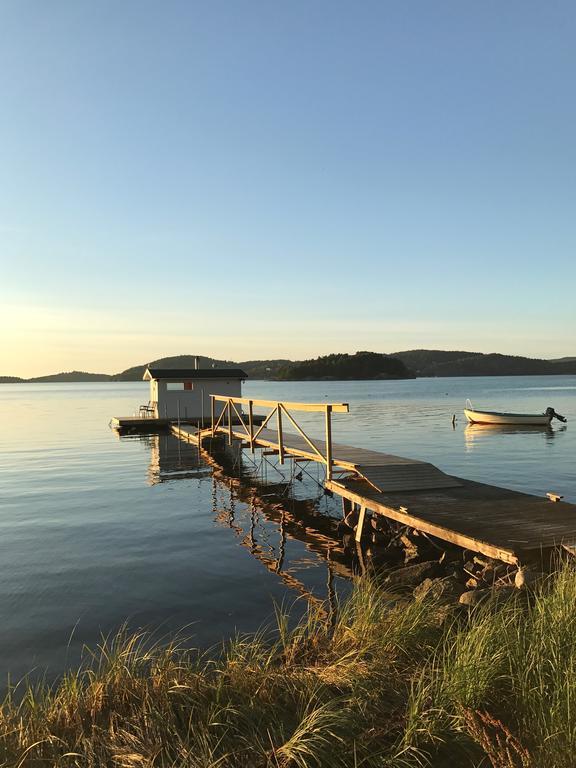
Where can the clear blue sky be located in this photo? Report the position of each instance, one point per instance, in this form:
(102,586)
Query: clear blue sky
(267,179)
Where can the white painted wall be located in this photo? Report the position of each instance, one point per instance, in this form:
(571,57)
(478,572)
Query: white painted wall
(191,400)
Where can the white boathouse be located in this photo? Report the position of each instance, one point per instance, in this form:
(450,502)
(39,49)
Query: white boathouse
(184,393)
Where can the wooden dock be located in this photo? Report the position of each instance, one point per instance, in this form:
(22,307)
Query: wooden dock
(507,525)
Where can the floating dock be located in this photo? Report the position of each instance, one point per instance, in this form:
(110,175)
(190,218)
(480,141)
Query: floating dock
(507,525)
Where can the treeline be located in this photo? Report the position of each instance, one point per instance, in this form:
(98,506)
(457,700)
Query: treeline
(426,362)
(362,365)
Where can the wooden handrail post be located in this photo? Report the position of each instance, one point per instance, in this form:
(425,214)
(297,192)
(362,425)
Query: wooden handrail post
(280,446)
(229,422)
(328,442)
(213,413)
(251,425)
(360,524)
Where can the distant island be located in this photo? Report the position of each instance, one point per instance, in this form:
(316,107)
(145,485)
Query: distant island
(362,365)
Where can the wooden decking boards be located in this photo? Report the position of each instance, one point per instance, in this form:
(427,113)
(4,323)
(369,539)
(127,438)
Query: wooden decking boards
(382,470)
(497,522)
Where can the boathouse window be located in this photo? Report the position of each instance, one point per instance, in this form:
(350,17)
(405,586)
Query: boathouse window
(179,385)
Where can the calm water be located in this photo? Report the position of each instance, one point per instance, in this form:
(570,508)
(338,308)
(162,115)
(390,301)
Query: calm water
(97,530)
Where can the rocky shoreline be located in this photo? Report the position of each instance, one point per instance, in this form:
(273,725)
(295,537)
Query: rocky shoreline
(421,564)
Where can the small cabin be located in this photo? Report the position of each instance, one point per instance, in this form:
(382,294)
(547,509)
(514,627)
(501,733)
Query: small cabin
(185,393)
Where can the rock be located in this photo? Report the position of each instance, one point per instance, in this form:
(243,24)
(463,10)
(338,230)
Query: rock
(410,549)
(473,597)
(525,577)
(447,588)
(500,569)
(379,539)
(472,583)
(488,575)
(411,575)
(503,593)
(379,523)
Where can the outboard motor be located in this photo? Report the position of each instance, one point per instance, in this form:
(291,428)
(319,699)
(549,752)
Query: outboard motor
(553,415)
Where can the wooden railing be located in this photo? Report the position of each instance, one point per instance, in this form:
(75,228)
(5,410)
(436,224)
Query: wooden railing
(280,409)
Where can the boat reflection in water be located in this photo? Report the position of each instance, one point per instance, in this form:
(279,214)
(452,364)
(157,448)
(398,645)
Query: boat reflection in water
(477,435)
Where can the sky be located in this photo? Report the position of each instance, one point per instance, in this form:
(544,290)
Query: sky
(266,179)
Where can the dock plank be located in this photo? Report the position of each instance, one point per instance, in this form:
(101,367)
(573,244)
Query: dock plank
(498,522)
(499,519)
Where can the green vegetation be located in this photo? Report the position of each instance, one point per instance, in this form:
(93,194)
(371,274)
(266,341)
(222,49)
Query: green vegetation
(391,682)
(72,376)
(256,369)
(362,365)
(428,362)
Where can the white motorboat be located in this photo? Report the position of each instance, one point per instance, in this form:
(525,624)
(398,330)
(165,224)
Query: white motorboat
(476,416)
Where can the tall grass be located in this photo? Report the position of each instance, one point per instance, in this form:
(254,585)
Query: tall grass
(390,683)
(508,676)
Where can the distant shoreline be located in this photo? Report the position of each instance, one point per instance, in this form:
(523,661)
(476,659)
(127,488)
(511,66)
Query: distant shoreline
(324,380)
(362,366)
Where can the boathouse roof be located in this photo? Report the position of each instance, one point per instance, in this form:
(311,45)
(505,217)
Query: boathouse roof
(194,373)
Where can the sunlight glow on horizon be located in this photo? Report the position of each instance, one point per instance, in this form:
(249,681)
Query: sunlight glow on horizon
(39,340)
(260,181)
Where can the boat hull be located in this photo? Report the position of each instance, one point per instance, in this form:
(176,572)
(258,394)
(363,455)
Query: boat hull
(494,417)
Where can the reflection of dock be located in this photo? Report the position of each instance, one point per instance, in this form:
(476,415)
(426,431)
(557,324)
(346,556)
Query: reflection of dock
(296,519)
(289,525)
(497,522)
(173,459)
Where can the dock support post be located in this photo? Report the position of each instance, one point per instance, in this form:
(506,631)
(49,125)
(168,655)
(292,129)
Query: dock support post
(360,523)
(328,442)
(213,414)
(251,424)
(280,446)
(229,422)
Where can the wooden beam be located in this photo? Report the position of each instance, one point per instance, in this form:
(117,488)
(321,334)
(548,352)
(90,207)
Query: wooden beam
(360,523)
(280,436)
(251,425)
(304,435)
(328,442)
(346,506)
(318,407)
(460,539)
(266,420)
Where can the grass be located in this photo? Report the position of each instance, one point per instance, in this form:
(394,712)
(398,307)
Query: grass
(391,683)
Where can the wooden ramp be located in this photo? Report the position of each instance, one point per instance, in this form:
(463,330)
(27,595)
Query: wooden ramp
(497,522)
(383,471)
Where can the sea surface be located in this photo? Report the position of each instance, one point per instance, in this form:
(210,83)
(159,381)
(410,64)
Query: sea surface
(97,531)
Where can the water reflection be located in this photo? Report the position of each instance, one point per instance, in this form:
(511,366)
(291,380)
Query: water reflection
(476,434)
(172,459)
(266,507)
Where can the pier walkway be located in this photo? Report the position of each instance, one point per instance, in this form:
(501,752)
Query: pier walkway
(507,525)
